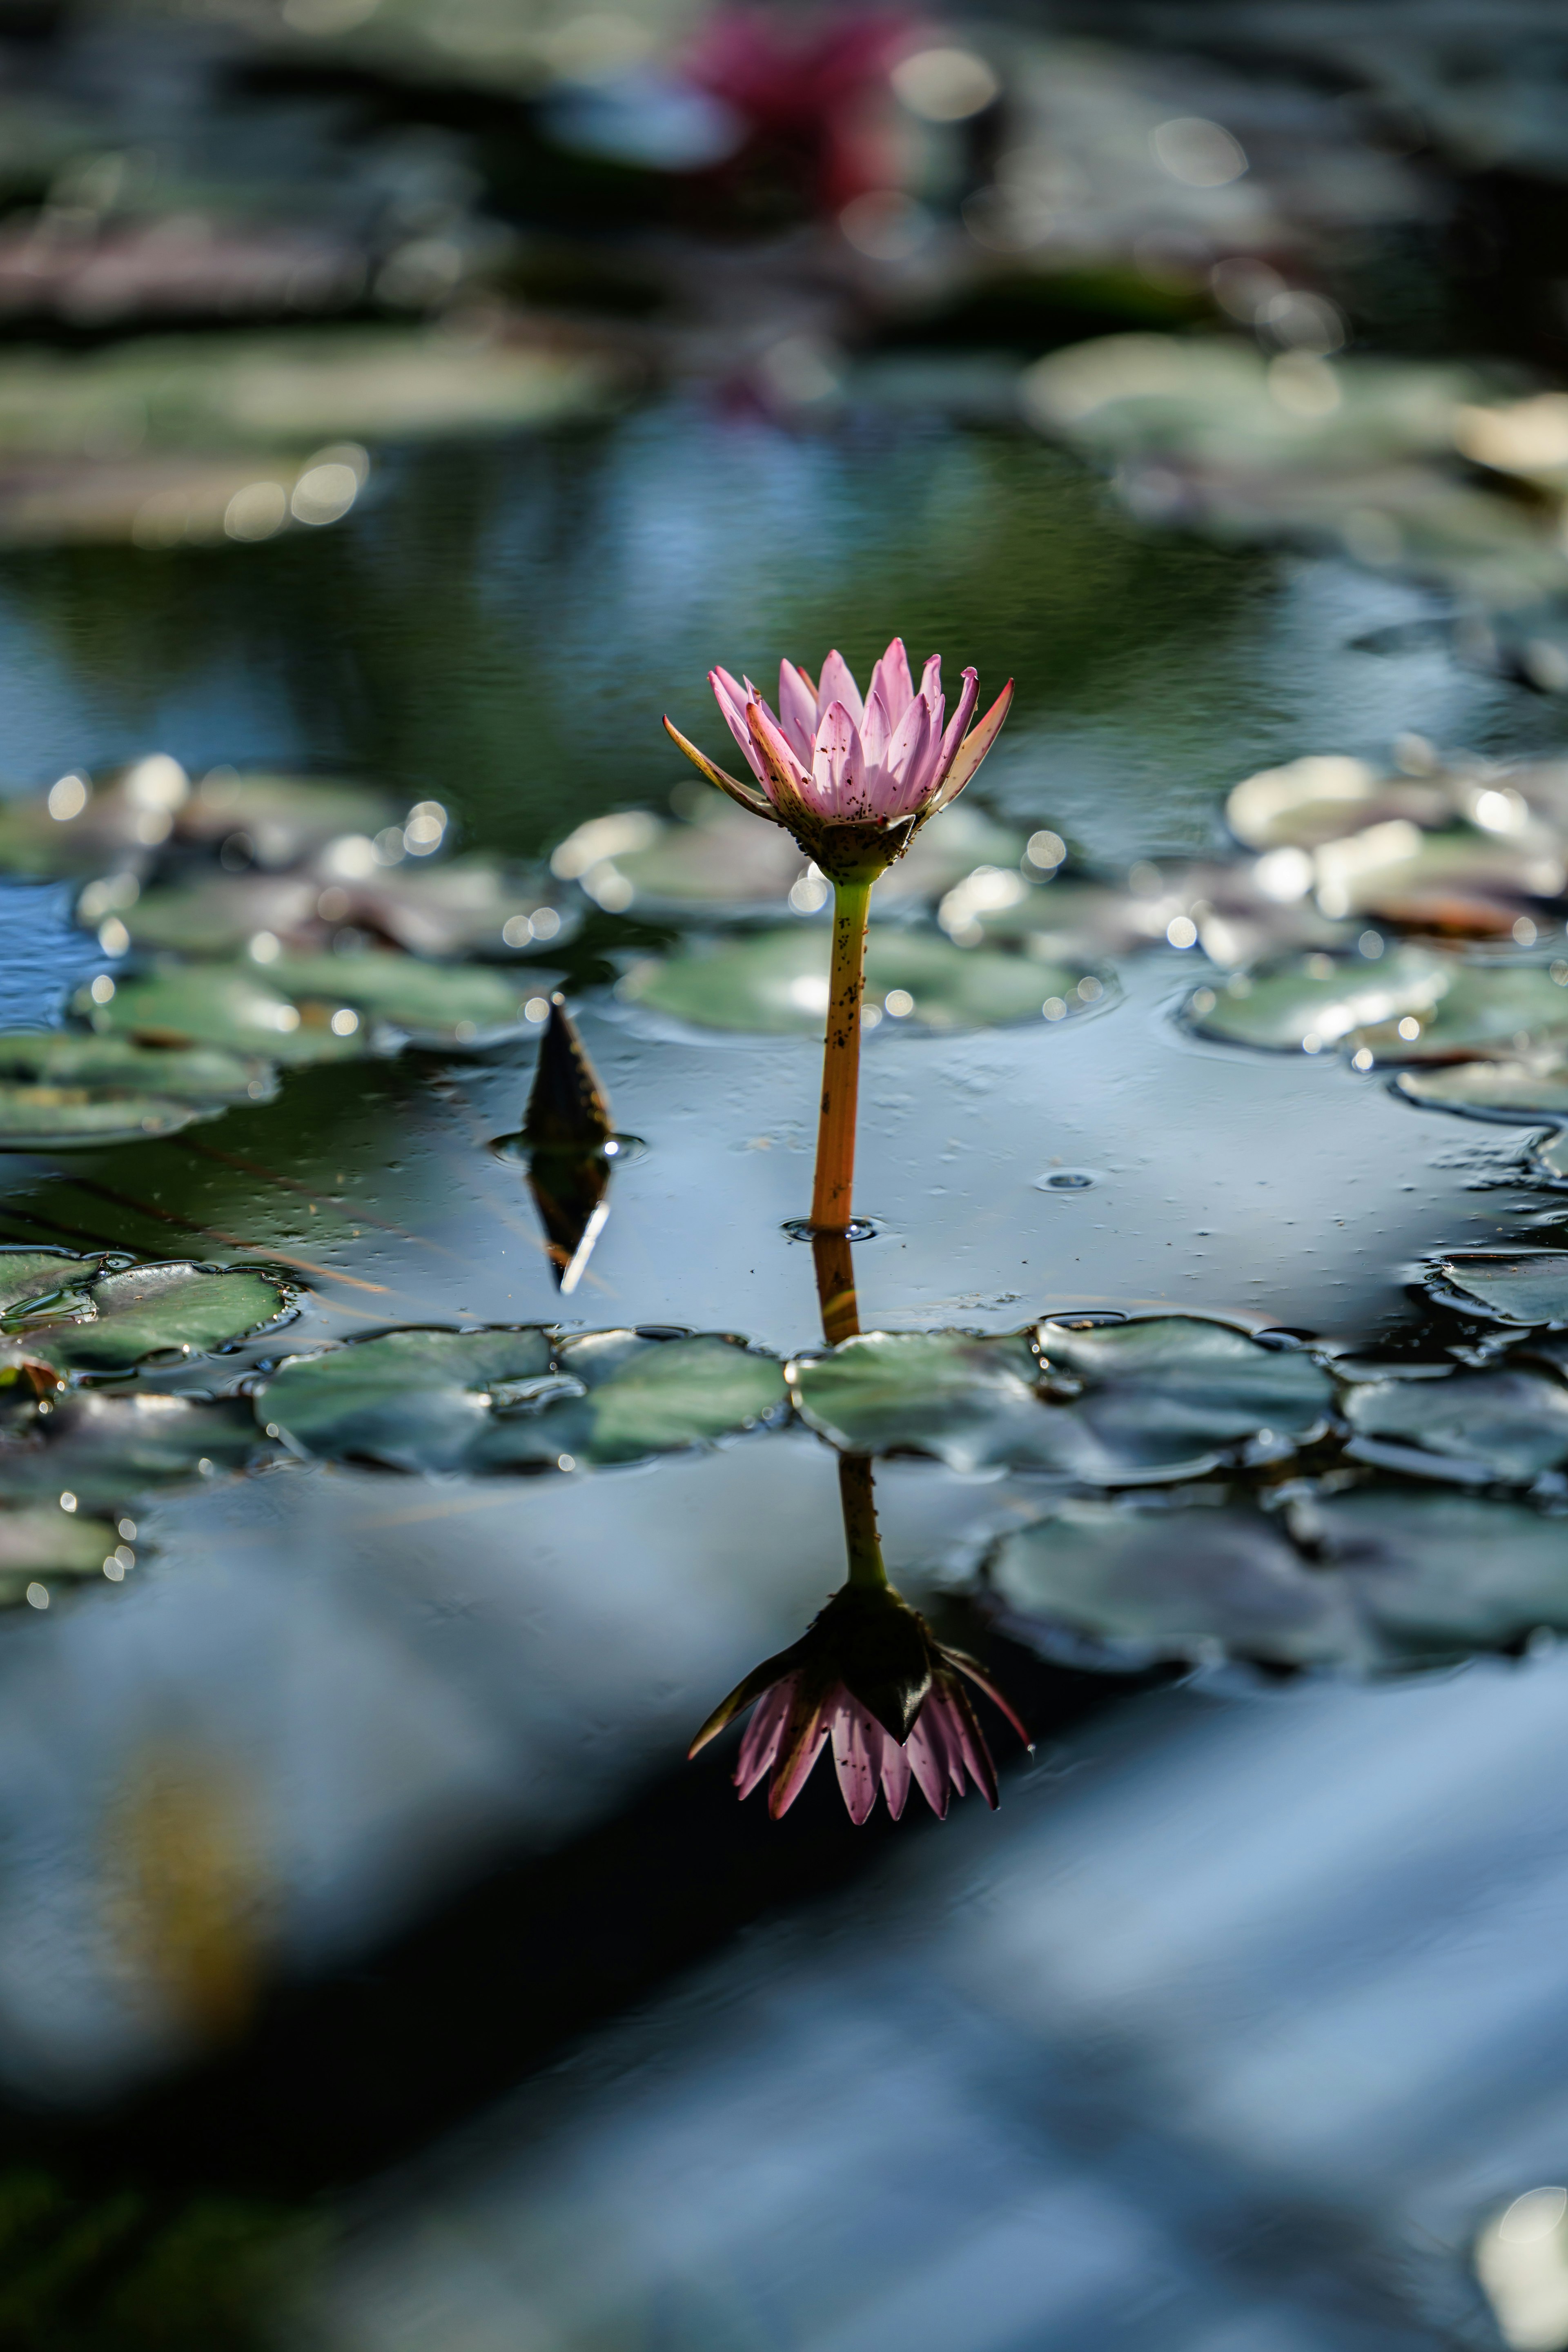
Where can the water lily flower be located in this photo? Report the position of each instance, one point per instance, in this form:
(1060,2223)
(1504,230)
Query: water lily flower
(852,778)
(870,1678)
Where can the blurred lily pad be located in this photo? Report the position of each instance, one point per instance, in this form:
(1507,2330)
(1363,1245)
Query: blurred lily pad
(59,1088)
(499,1400)
(719,860)
(295,389)
(1315,1001)
(1533,1087)
(1127,1587)
(45,1542)
(106,1447)
(232,1005)
(444,1002)
(1160,1397)
(112,825)
(281,818)
(1519,1009)
(1382,1578)
(1322,797)
(775,983)
(1523,1286)
(156,1311)
(1502,1423)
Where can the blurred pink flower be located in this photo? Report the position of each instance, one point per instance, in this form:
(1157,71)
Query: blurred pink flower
(816,85)
(852,779)
(872,1678)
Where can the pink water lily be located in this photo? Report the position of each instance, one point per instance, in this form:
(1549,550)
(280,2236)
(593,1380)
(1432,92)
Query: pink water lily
(852,778)
(870,1679)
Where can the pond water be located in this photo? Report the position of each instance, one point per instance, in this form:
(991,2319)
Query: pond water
(351,1854)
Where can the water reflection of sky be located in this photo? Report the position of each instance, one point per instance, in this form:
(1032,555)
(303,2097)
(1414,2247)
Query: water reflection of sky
(1222,2038)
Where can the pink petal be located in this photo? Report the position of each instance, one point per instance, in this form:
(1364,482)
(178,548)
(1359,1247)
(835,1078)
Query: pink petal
(902,768)
(731,701)
(837,683)
(797,712)
(931,687)
(966,1741)
(788,1784)
(892,675)
(976,744)
(764,1733)
(876,731)
(761,720)
(837,770)
(928,1762)
(856,1754)
(957,723)
(967,1666)
(895,1775)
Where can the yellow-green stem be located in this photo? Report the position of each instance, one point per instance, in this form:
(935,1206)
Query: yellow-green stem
(861,1541)
(841,1060)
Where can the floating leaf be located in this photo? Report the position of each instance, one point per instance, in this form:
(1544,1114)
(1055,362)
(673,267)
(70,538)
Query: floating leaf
(1502,1423)
(106,1448)
(500,1400)
(229,1005)
(972,1403)
(112,826)
(1141,1585)
(776,983)
(45,1543)
(177,1308)
(1316,1001)
(722,860)
(1523,1286)
(59,1088)
(1439,1576)
(1519,1008)
(413,1400)
(1322,797)
(466,907)
(278,819)
(28,1276)
(1536,1087)
(1162,1397)
(444,1002)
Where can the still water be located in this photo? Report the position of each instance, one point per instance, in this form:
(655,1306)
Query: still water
(1167,2054)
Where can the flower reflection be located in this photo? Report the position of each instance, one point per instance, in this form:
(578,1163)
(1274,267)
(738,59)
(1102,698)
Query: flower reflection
(870,1677)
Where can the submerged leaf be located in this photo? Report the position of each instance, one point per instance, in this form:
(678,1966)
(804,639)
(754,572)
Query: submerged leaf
(776,983)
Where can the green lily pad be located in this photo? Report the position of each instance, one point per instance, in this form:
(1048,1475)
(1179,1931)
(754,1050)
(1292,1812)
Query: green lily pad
(220,913)
(1523,1286)
(502,1400)
(43,1544)
(229,1005)
(1315,1002)
(441,1002)
(107,1447)
(1439,1576)
(1514,1090)
(30,1276)
(1323,797)
(1500,1423)
(1127,1587)
(281,818)
(109,826)
(413,1399)
(972,1403)
(59,1088)
(154,1310)
(1163,1397)
(1520,1008)
(466,905)
(775,983)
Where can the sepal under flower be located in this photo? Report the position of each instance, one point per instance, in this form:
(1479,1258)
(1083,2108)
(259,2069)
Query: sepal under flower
(853,779)
(869,1677)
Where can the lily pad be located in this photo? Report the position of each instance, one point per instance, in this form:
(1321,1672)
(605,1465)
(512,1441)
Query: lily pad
(156,1311)
(973,1403)
(1325,796)
(30,1276)
(1521,1009)
(1316,1001)
(775,983)
(59,1088)
(1533,1087)
(281,818)
(229,1005)
(468,906)
(40,1545)
(1127,1587)
(107,1447)
(1502,1423)
(500,1400)
(1528,1288)
(443,1001)
(1439,1576)
(719,860)
(1163,1397)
